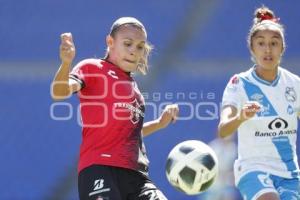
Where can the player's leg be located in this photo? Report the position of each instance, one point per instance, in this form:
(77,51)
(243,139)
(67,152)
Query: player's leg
(98,183)
(268,196)
(149,192)
(289,189)
(136,186)
(257,186)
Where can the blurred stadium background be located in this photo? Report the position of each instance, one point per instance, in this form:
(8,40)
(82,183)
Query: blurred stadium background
(198,44)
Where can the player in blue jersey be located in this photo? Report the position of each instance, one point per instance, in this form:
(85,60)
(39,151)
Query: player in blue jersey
(262,105)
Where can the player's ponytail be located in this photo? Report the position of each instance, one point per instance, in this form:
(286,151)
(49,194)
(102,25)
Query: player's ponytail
(264,13)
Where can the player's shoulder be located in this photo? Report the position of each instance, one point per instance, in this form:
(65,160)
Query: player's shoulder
(234,83)
(236,78)
(289,74)
(90,63)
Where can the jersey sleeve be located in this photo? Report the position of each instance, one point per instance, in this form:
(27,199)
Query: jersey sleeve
(233,93)
(83,73)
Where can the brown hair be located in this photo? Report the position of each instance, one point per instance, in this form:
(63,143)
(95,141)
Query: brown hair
(265,19)
(142,66)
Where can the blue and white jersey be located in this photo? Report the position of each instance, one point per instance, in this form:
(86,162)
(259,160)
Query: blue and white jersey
(266,142)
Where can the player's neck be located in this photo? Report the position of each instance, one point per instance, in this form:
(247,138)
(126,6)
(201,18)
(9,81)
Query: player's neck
(266,74)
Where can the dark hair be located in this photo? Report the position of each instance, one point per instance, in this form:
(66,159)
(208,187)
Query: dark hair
(264,13)
(130,21)
(264,19)
(126,20)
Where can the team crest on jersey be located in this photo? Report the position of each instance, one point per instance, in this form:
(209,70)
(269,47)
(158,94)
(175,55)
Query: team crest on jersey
(136,112)
(135,109)
(290,94)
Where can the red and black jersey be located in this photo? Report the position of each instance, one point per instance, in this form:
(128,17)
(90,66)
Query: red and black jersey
(112,112)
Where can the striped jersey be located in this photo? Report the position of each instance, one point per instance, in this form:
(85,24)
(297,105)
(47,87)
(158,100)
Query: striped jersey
(266,142)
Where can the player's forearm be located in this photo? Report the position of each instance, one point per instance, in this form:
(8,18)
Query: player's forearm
(60,85)
(151,127)
(229,126)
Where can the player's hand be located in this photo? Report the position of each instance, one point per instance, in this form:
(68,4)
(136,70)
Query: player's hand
(169,114)
(67,48)
(249,109)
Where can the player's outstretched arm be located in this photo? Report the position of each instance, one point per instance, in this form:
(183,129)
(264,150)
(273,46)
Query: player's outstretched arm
(231,119)
(169,115)
(62,87)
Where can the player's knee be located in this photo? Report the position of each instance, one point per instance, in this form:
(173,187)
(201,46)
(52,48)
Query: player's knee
(269,196)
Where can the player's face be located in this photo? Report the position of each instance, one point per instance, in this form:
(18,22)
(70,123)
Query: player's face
(267,48)
(127,48)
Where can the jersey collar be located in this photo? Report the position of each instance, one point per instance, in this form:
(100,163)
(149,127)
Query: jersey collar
(117,68)
(260,80)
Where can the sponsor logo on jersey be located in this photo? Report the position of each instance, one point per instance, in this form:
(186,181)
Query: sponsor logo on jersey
(265,107)
(233,82)
(112,74)
(278,123)
(275,133)
(290,110)
(290,94)
(257,97)
(277,127)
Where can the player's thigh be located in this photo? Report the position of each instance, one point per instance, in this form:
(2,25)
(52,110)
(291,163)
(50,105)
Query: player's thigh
(98,182)
(148,192)
(289,189)
(140,187)
(254,185)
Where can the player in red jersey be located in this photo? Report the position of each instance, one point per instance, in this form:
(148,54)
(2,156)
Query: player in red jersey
(113,163)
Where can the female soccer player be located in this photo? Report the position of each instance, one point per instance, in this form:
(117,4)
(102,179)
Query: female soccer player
(113,163)
(262,104)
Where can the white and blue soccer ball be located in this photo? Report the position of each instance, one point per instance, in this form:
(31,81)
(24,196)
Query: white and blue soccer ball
(192,167)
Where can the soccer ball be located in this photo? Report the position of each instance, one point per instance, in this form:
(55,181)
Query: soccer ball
(191,167)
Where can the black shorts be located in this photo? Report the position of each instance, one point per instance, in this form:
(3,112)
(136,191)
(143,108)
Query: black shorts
(99,182)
